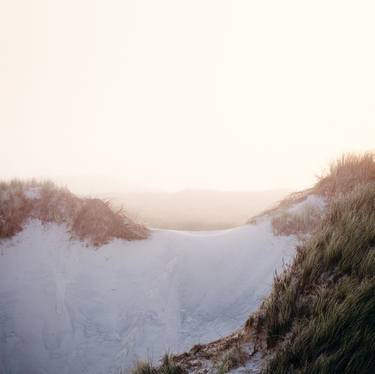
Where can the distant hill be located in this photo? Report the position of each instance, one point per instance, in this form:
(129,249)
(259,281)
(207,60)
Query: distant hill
(195,209)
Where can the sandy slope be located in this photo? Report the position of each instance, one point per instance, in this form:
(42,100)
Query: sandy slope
(68,308)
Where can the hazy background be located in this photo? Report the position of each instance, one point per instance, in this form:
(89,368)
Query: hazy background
(113,96)
(195,209)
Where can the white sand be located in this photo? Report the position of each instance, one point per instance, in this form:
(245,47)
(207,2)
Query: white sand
(69,308)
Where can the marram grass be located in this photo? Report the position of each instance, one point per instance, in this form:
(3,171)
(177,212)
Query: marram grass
(320,316)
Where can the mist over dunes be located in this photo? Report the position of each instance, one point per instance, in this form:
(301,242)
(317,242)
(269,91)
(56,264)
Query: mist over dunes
(195,209)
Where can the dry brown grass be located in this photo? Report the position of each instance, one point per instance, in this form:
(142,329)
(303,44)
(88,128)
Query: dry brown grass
(14,207)
(168,366)
(231,359)
(109,225)
(87,219)
(346,173)
(297,223)
(287,202)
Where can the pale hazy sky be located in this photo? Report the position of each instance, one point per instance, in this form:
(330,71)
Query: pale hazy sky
(185,94)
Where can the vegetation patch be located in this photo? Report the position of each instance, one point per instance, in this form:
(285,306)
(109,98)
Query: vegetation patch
(283,205)
(168,366)
(346,173)
(320,316)
(302,222)
(87,219)
(231,359)
(14,208)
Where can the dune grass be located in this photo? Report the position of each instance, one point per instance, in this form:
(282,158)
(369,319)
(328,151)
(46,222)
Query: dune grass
(87,219)
(320,316)
(143,367)
(232,358)
(344,174)
(347,172)
(168,366)
(304,221)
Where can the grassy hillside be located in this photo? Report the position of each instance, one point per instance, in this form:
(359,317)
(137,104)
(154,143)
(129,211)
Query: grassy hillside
(320,316)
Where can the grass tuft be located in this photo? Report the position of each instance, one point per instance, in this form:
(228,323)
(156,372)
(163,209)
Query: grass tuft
(347,172)
(304,221)
(143,367)
(231,359)
(168,366)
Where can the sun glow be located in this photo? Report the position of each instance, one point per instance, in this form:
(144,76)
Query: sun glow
(199,94)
